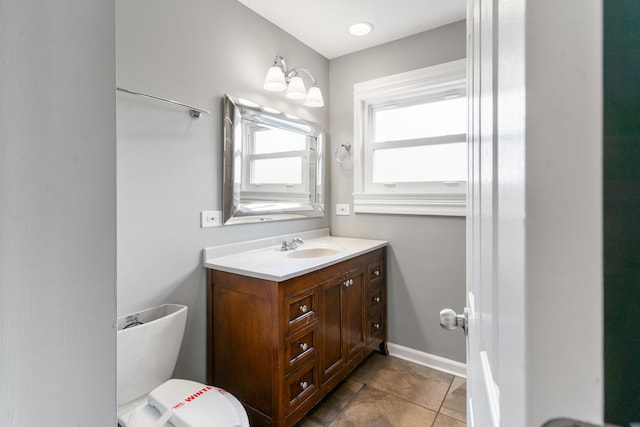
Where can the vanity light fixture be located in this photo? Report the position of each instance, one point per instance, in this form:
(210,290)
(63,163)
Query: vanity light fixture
(279,79)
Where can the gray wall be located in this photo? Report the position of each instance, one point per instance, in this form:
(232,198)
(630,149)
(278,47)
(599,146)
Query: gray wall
(169,165)
(427,253)
(57,214)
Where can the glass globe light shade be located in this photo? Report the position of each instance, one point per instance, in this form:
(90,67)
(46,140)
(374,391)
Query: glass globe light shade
(314,97)
(274,82)
(296,89)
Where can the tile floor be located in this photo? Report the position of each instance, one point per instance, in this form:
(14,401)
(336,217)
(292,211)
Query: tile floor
(389,392)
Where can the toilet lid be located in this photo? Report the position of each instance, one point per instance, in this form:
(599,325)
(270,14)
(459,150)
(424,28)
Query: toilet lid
(192,404)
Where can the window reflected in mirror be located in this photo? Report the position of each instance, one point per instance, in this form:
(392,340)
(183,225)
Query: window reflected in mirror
(273,165)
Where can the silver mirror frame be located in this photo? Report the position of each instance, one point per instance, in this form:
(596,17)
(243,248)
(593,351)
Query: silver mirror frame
(235,210)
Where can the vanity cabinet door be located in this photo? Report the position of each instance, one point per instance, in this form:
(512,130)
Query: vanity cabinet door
(331,320)
(342,320)
(354,327)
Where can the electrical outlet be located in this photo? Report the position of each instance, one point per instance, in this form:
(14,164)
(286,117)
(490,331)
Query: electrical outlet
(210,218)
(342,209)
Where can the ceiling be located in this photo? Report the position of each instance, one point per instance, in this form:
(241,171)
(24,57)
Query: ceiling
(323,24)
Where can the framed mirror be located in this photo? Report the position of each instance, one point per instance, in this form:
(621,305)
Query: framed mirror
(273,164)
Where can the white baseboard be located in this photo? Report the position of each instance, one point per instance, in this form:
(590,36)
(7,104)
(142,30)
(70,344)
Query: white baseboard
(429,360)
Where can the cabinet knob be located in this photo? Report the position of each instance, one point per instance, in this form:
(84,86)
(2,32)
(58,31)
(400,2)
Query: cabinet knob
(303,346)
(376,299)
(348,282)
(376,273)
(303,384)
(376,325)
(303,308)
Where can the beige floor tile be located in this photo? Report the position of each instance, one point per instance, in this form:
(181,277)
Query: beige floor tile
(369,367)
(373,408)
(416,383)
(455,404)
(335,402)
(397,394)
(444,421)
(308,422)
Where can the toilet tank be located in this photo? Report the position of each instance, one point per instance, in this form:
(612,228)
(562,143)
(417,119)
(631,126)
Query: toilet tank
(148,345)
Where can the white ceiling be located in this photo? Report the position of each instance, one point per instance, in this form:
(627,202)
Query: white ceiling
(323,24)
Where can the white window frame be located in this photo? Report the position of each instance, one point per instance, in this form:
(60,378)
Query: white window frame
(432,198)
(272,189)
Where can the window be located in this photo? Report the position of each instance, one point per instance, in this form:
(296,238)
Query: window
(410,142)
(276,160)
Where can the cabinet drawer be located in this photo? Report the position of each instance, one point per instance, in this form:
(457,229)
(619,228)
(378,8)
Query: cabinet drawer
(302,308)
(302,384)
(300,347)
(375,326)
(375,273)
(376,298)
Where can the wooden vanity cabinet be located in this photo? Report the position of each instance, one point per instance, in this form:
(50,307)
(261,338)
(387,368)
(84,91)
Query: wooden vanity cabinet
(280,347)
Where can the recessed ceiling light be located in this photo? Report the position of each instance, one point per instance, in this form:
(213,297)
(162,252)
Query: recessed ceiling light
(361,29)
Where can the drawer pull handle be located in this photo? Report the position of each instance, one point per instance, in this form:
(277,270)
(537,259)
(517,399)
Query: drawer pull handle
(303,346)
(303,308)
(376,326)
(376,299)
(376,273)
(303,384)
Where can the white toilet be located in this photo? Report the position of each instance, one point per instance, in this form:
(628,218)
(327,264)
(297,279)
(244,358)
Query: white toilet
(148,345)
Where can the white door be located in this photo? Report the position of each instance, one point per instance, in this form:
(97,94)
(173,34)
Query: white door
(495,234)
(483,398)
(534,343)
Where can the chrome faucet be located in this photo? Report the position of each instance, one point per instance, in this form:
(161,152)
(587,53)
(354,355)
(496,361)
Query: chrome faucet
(293,244)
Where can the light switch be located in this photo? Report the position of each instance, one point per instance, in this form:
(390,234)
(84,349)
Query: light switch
(342,209)
(210,218)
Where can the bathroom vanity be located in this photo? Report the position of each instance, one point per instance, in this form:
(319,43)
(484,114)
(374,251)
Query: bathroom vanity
(285,327)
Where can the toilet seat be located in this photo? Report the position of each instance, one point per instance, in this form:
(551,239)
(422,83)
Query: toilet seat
(192,404)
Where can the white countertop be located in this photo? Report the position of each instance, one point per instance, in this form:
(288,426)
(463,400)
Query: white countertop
(263,258)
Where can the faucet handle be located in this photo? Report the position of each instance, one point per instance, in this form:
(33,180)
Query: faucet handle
(292,244)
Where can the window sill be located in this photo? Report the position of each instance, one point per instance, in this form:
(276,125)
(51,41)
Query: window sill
(441,204)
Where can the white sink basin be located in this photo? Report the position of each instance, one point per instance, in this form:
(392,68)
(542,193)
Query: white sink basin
(312,252)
